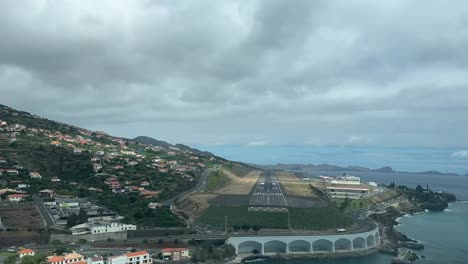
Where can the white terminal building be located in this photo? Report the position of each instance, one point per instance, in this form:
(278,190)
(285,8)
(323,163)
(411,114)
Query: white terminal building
(346,180)
(100,228)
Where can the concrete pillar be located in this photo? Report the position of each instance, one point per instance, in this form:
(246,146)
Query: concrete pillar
(263,249)
(333,246)
(352,246)
(236,246)
(287,248)
(311,249)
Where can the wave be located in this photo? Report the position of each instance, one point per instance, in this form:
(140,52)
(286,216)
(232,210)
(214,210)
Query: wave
(448,210)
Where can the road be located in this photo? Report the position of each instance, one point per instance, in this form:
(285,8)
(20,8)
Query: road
(268,191)
(201,185)
(45,215)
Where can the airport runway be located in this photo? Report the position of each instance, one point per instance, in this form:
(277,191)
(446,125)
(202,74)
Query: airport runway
(268,192)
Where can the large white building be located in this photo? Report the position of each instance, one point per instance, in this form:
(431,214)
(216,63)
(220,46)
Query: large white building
(101,228)
(342,192)
(347,180)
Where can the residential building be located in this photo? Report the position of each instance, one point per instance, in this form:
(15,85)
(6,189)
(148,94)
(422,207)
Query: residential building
(117,259)
(96,260)
(55,179)
(16,197)
(175,254)
(11,171)
(26,252)
(35,175)
(46,193)
(139,257)
(73,258)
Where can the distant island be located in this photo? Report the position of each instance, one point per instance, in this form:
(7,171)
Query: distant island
(328,167)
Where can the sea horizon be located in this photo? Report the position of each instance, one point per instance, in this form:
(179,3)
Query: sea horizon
(401,159)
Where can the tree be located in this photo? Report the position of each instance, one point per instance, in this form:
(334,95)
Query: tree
(255,228)
(72,220)
(419,189)
(245,227)
(176,241)
(11,259)
(82,216)
(236,227)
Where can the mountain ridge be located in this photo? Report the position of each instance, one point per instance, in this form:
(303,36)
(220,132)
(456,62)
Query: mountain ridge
(330,167)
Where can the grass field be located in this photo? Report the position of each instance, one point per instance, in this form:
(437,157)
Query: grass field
(324,218)
(214,216)
(294,186)
(217,180)
(354,203)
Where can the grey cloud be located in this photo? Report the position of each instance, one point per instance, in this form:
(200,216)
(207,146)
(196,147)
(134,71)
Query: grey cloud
(381,73)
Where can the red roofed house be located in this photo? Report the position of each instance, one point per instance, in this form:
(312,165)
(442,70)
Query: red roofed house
(2,160)
(26,252)
(139,257)
(175,254)
(55,260)
(16,197)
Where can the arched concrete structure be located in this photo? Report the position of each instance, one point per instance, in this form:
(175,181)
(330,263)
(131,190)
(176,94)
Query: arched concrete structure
(359,243)
(275,246)
(323,245)
(300,246)
(343,244)
(306,244)
(370,241)
(250,246)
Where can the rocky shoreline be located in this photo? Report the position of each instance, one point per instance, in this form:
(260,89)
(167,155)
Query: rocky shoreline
(396,243)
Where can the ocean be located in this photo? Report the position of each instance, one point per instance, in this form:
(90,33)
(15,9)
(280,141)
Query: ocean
(444,234)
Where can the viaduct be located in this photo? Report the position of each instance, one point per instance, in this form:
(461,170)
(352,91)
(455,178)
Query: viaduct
(339,242)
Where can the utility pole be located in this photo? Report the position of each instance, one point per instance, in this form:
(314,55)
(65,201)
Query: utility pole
(225,224)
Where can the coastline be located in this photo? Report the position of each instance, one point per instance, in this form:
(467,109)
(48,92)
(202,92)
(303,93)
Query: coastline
(405,248)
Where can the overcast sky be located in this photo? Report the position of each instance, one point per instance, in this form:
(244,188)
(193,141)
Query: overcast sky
(364,73)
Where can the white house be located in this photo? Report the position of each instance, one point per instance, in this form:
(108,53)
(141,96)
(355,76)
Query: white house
(35,175)
(16,197)
(26,252)
(117,259)
(110,228)
(139,257)
(96,260)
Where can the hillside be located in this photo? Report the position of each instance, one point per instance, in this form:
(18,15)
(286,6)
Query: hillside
(164,144)
(121,174)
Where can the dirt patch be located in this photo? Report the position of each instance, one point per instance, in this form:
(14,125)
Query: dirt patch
(21,216)
(294,186)
(239,185)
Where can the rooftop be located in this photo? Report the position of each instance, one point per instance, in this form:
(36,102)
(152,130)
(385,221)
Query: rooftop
(137,253)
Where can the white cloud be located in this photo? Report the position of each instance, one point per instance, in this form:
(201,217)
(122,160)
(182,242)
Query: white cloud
(460,154)
(257,143)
